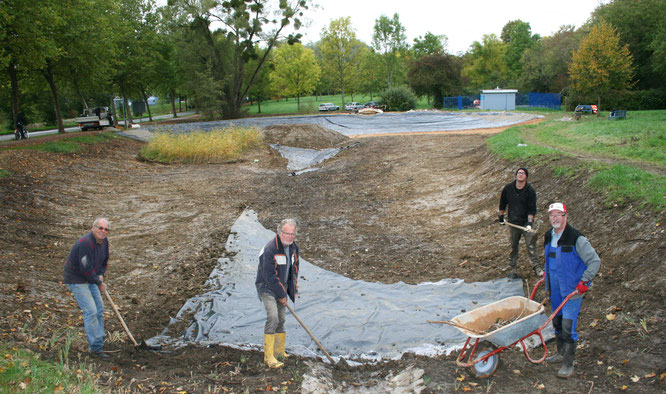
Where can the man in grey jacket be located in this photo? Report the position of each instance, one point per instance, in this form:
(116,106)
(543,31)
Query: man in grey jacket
(571,264)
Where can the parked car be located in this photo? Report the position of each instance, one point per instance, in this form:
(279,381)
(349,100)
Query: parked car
(370,104)
(353,106)
(586,109)
(328,107)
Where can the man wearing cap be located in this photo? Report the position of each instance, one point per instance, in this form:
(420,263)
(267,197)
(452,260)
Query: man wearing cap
(571,264)
(521,199)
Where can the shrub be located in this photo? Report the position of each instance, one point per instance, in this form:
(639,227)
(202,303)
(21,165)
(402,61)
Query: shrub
(398,98)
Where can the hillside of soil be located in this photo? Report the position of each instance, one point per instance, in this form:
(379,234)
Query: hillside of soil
(409,208)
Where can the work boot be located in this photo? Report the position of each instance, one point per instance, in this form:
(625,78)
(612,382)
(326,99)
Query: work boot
(269,348)
(279,345)
(557,357)
(513,275)
(568,356)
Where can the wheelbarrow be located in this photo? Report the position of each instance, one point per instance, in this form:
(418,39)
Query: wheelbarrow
(480,354)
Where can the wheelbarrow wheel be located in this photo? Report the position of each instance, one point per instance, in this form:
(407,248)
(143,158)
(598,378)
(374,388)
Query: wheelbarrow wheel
(484,369)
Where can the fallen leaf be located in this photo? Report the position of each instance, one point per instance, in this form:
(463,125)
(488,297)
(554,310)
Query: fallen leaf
(651,375)
(466,388)
(624,387)
(594,323)
(540,386)
(611,316)
(516,371)
(460,378)
(599,362)
(635,379)
(473,384)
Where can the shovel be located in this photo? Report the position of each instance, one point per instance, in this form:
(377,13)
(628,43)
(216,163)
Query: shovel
(309,333)
(143,344)
(530,230)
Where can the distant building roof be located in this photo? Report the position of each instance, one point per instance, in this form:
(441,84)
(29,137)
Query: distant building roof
(498,90)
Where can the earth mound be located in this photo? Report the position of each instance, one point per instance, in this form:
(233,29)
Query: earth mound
(307,136)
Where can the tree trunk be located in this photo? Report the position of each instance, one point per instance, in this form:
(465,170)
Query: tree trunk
(298,102)
(145,100)
(114,111)
(11,70)
(48,75)
(259,106)
(127,109)
(173,103)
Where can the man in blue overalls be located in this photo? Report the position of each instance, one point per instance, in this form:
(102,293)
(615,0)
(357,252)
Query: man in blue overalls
(571,264)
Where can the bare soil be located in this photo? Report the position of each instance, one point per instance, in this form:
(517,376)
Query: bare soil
(408,208)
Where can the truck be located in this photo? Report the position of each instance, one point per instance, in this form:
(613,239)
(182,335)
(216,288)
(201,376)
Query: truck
(94,118)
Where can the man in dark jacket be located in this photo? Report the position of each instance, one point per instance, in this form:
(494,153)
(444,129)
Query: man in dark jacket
(521,199)
(277,277)
(571,264)
(84,277)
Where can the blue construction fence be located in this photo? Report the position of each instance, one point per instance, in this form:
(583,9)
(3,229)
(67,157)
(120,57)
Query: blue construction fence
(532,100)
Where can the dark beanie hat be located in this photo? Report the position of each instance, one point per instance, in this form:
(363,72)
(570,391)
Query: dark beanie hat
(527,173)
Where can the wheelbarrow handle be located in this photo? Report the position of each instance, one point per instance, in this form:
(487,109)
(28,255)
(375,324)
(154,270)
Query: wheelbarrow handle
(536,286)
(559,308)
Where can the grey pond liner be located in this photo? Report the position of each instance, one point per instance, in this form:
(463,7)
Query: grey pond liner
(353,319)
(388,122)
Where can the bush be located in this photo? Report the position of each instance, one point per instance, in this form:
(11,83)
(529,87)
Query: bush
(634,100)
(398,98)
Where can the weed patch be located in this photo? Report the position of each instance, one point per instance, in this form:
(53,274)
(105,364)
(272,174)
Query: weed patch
(201,147)
(625,183)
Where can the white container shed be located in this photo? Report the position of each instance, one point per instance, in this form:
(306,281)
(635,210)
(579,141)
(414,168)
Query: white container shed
(499,99)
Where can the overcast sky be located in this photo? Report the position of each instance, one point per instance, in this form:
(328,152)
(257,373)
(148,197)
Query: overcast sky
(462,21)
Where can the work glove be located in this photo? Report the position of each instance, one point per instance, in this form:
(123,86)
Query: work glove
(501,219)
(582,287)
(529,225)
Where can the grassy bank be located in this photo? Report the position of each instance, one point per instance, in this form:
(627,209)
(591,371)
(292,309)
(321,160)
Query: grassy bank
(67,145)
(628,156)
(201,147)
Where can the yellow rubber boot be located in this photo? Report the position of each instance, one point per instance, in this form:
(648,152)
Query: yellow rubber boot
(269,348)
(279,345)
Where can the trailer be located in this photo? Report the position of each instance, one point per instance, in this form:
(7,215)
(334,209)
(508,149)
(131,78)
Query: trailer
(94,118)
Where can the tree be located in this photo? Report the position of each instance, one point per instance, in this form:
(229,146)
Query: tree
(517,35)
(389,41)
(437,75)
(545,65)
(485,63)
(246,23)
(296,71)
(340,51)
(638,23)
(601,64)
(430,44)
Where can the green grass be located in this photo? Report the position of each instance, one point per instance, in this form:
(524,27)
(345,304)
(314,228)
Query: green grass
(4,173)
(22,371)
(67,145)
(216,146)
(624,184)
(640,139)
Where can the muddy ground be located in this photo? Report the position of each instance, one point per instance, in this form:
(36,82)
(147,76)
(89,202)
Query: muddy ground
(408,208)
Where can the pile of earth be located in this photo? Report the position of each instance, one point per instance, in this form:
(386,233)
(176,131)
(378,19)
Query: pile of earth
(307,136)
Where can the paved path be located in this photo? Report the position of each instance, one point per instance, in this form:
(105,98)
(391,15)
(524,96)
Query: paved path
(7,137)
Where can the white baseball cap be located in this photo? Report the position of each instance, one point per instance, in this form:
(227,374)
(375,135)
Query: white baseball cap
(557,206)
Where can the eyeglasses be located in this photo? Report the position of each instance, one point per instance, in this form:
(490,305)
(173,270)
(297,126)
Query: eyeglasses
(521,173)
(289,234)
(103,228)
(554,215)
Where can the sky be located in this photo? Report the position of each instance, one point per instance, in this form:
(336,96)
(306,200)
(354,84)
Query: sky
(462,21)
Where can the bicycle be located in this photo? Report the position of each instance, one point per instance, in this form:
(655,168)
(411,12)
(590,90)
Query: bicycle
(21,132)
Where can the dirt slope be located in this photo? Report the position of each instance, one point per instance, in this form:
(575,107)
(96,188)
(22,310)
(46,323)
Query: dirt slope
(408,208)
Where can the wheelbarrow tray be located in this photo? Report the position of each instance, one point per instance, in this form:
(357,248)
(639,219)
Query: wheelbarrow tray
(482,318)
